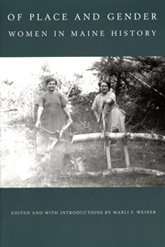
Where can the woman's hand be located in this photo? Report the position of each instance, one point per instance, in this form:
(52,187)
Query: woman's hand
(99,120)
(107,101)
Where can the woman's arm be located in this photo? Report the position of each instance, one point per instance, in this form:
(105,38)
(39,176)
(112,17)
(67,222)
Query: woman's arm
(69,122)
(39,113)
(95,108)
(66,110)
(97,116)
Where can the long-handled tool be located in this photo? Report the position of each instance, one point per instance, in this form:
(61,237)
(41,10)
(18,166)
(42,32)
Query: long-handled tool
(106,141)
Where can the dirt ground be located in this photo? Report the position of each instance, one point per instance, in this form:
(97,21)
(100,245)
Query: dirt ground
(79,164)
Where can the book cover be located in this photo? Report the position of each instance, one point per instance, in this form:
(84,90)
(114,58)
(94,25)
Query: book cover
(93,186)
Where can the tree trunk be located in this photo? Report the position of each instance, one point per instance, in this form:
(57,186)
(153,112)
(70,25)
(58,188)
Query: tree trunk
(117,136)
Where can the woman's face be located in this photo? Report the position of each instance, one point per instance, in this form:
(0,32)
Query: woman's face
(104,88)
(51,86)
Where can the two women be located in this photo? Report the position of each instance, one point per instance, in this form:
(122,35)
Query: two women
(52,113)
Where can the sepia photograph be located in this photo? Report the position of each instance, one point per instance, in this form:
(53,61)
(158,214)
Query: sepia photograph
(82,122)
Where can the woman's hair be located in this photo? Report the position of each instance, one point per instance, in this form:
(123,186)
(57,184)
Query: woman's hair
(50,79)
(106,82)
